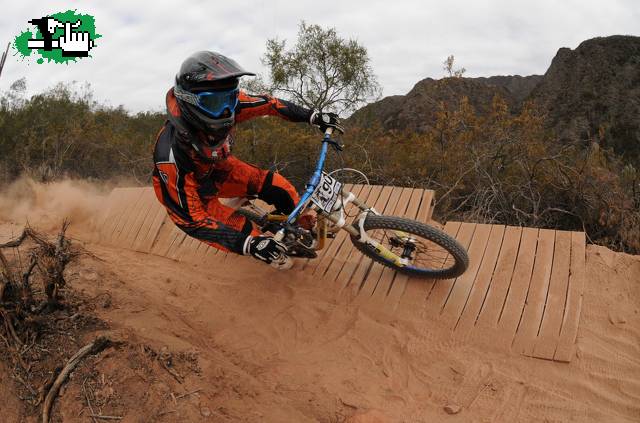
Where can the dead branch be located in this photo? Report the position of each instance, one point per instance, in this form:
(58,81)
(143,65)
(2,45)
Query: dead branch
(171,371)
(16,242)
(26,293)
(93,348)
(10,329)
(6,276)
(46,386)
(188,394)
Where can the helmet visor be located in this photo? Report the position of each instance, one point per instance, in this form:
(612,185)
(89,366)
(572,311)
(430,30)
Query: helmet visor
(215,103)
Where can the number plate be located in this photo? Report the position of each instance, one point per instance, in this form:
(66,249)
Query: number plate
(327,193)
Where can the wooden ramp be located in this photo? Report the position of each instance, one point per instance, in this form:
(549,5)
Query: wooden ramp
(522,291)
(134,219)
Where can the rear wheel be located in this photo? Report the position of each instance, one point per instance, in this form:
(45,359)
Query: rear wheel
(428,251)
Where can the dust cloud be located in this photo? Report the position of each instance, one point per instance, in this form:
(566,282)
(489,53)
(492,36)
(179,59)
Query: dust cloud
(47,204)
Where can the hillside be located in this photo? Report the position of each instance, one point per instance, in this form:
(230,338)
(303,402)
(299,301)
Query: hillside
(417,110)
(591,93)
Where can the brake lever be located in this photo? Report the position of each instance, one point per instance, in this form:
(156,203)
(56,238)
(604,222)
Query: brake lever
(335,144)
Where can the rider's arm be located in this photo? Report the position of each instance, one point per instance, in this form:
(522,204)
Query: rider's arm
(251,106)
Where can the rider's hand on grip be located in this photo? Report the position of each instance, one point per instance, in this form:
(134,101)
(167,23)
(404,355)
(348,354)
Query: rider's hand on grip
(268,250)
(326,120)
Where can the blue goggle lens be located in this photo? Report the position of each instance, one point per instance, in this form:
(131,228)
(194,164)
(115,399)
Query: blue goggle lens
(216,102)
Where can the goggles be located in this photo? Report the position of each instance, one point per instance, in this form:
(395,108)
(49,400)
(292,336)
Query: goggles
(213,103)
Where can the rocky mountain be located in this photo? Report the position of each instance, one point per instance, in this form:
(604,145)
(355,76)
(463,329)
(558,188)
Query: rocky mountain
(417,110)
(591,93)
(519,87)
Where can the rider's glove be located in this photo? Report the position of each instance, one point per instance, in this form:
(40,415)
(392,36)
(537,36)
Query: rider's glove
(268,250)
(326,120)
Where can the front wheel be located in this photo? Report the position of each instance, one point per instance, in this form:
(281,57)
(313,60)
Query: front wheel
(426,252)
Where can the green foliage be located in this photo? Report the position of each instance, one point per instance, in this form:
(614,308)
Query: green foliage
(63,132)
(493,168)
(322,71)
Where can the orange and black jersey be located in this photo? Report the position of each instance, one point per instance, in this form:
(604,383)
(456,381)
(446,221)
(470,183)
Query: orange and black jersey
(189,188)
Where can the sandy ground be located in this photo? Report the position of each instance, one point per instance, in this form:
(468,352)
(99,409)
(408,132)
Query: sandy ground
(279,347)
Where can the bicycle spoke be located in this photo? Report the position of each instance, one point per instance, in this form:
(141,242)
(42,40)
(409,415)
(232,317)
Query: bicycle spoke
(426,253)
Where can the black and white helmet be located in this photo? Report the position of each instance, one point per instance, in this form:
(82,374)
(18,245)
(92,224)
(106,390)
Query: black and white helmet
(206,71)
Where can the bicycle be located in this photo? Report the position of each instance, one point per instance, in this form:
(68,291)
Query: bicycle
(405,245)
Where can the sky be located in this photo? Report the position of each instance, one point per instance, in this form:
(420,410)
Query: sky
(144,42)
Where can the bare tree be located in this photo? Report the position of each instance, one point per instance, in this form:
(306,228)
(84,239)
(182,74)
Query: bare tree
(448,67)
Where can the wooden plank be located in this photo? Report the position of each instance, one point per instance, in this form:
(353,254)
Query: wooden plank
(121,200)
(534,305)
(482,281)
(354,256)
(517,294)
(355,282)
(201,250)
(320,264)
(130,201)
(186,251)
(399,282)
(441,289)
(165,238)
(131,212)
(386,277)
(417,291)
(177,242)
(196,252)
(454,304)
(425,210)
(414,203)
(549,334)
(151,223)
(160,219)
(490,311)
(567,344)
(427,204)
(369,285)
(213,256)
(344,255)
(103,220)
(143,208)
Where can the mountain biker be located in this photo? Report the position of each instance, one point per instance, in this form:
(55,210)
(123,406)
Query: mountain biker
(193,164)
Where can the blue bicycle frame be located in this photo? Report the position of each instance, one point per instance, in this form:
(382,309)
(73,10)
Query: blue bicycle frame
(382,251)
(314,181)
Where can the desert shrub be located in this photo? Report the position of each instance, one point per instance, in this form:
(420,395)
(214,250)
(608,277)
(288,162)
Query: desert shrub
(63,132)
(497,167)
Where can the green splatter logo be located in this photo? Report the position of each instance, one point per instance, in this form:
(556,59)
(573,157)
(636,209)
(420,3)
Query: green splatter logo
(59,38)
